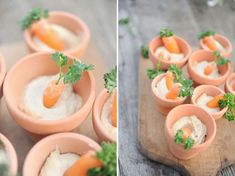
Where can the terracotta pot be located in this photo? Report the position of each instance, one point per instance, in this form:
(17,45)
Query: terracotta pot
(224,41)
(31,67)
(70,22)
(164,105)
(2,73)
(100,129)
(157,42)
(229,80)
(66,143)
(201,55)
(185,110)
(11,154)
(211,91)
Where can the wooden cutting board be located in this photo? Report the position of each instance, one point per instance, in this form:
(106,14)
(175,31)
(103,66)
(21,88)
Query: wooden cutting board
(152,142)
(21,140)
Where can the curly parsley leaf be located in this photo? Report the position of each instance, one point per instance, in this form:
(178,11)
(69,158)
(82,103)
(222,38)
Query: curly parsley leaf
(205,34)
(220,61)
(152,73)
(229,102)
(124,21)
(144,50)
(188,142)
(110,80)
(166,32)
(33,16)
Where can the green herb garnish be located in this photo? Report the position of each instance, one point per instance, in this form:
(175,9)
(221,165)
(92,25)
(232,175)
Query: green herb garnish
(110,80)
(74,70)
(108,157)
(229,102)
(188,142)
(220,61)
(152,73)
(144,50)
(166,33)
(124,21)
(205,34)
(33,16)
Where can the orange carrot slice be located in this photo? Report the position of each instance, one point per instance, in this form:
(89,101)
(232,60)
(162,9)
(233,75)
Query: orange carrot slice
(209,68)
(114,110)
(210,42)
(47,35)
(174,92)
(169,80)
(186,132)
(171,44)
(82,165)
(52,93)
(214,102)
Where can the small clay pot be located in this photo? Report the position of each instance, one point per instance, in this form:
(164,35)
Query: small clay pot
(211,91)
(186,110)
(70,22)
(201,55)
(229,80)
(2,73)
(31,67)
(11,155)
(157,42)
(65,142)
(100,129)
(164,105)
(223,41)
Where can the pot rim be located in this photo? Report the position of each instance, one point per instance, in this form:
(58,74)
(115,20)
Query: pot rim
(228,81)
(2,69)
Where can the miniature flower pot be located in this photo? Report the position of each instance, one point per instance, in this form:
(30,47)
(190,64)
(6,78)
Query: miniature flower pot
(11,155)
(2,73)
(164,105)
(224,41)
(31,67)
(201,55)
(186,110)
(211,91)
(70,22)
(229,83)
(100,129)
(157,42)
(65,142)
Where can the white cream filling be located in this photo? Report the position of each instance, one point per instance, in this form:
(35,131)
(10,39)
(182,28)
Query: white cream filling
(32,104)
(3,157)
(202,102)
(200,67)
(199,130)
(166,54)
(57,164)
(161,88)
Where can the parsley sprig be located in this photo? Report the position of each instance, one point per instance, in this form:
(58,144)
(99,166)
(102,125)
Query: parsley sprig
(229,102)
(110,80)
(152,73)
(188,142)
(166,32)
(144,50)
(33,15)
(220,60)
(108,157)
(205,34)
(74,70)
(124,21)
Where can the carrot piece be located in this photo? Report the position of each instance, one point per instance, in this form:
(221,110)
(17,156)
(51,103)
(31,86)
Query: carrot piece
(114,110)
(210,42)
(214,102)
(82,165)
(174,92)
(171,44)
(169,80)
(47,35)
(52,93)
(186,132)
(209,68)
(233,86)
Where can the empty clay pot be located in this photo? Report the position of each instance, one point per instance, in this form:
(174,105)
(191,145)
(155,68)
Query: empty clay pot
(222,40)
(186,110)
(211,91)
(31,67)
(201,55)
(229,82)
(65,142)
(100,129)
(70,22)
(157,42)
(11,155)
(164,105)
(2,73)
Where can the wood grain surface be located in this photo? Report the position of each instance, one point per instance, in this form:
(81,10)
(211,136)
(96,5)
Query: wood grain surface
(187,18)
